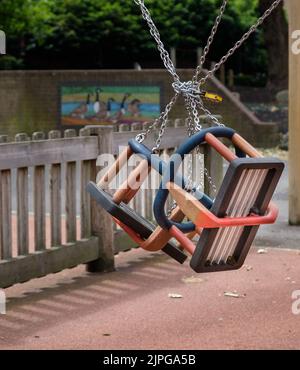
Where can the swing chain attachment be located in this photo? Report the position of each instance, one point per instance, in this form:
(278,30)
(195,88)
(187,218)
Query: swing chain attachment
(191,90)
(188,88)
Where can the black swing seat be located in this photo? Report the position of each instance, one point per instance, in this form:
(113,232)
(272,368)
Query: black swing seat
(131,219)
(248,187)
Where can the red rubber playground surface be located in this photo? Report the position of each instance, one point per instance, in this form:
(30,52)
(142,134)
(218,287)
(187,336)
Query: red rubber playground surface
(132,307)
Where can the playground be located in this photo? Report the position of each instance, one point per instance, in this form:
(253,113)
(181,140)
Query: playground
(56,312)
(250,308)
(153,208)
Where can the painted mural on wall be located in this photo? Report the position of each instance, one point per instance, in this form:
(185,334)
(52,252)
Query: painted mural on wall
(108,105)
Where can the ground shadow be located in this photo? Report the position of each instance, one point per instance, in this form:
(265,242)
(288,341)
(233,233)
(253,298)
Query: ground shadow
(83,295)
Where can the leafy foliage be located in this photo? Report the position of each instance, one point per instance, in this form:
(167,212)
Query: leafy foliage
(102,33)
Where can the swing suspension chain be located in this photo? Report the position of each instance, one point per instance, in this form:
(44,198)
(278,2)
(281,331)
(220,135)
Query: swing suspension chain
(187,89)
(192,129)
(240,42)
(192,115)
(156,35)
(210,41)
(191,90)
(162,119)
(197,126)
(199,101)
(209,115)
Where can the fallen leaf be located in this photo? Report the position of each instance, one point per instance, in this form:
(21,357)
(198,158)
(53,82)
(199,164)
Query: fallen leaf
(230,294)
(193,279)
(262,251)
(174,295)
(106,335)
(234,295)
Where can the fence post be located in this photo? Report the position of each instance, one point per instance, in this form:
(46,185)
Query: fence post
(39,200)
(3,139)
(22,203)
(213,162)
(102,225)
(294,115)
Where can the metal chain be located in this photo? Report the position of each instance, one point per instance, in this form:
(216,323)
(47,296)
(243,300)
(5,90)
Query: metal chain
(210,40)
(162,119)
(208,114)
(172,70)
(193,116)
(239,43)
(210,180)
(187,89)
(197,124)
(191,90)
(191,103)
(192,113)
(156,35)
(191,131)
(191,93)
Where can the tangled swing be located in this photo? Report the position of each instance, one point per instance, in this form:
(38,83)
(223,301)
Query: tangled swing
(225,226)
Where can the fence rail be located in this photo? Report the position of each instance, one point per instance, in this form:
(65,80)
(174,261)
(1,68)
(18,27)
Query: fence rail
(48,221)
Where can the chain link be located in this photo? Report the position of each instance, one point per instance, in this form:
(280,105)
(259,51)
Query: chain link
(210,180)
(156,35)
(191,90)
(209,115)
(210,40)
(239,43)
(162,119)
(193,114)
(192,129)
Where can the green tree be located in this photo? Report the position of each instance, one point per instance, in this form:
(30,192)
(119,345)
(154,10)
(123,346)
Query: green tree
(101,33)
(276,41)
(15,22)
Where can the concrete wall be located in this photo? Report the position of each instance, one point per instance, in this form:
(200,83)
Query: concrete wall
(29,100)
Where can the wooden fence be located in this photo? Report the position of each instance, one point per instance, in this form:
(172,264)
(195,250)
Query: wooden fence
(47,220)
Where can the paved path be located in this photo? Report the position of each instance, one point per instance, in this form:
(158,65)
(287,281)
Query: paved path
(131,309)
(280,234)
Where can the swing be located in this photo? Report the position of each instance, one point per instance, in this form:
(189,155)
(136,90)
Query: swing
(241,205)
(122,214)
(139,229)
(226,226)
